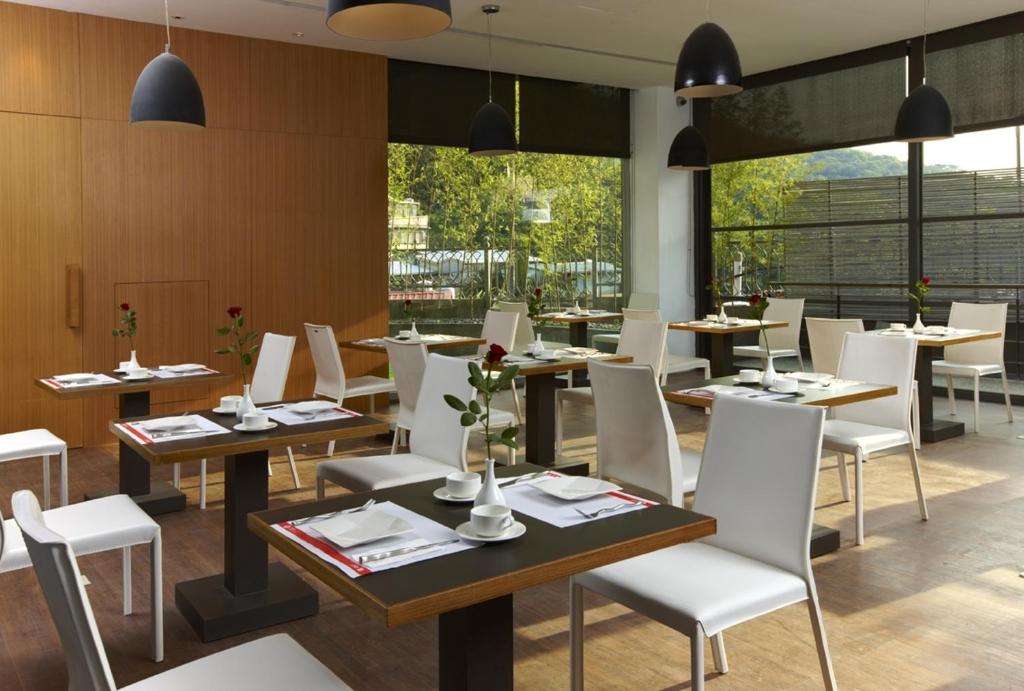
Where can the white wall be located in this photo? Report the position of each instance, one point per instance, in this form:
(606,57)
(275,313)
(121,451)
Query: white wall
(661,247)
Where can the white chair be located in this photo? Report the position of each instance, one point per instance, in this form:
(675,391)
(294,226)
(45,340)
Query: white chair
(881,426)
(760,486)
(271,663)
(636,440)
(784,342)
(99,525)
(825,337)
(637,301)
(34,443)
(671,363)
(268,383)
(501,328)
(437,443)
(976,359)
(643,340)
(408,362)
(330,373)
(525,333)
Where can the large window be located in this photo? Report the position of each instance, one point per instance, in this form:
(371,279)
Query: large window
(465,231)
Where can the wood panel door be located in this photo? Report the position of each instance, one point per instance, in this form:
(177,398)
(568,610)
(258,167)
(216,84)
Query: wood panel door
(40,234)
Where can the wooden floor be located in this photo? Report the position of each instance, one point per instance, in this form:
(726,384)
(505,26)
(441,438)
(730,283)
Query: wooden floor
(936,605)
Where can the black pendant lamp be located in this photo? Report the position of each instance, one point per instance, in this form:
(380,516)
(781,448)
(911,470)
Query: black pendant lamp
(924,115)
(688,151)
(708,64)
(492,132)
(167,95)
(388,20)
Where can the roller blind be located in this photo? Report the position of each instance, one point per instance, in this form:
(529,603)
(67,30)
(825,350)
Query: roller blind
(435,104)
(573,118)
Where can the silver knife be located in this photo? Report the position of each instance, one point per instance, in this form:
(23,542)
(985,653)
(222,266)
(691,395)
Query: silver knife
(367,558)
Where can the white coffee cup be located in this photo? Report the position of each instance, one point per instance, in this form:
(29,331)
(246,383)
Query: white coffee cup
(531,348)
(547,354)
(255,420)
(898,326)
(787,385)
(405,333)
(490,520)
(462,485)
(230,402)
(137,372)
(123,366)
(710,317)
(750,376)
(732,320)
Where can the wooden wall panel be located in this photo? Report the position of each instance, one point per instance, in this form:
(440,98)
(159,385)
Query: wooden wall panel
(319,229)
(162,207)
(115,51)
(40,233)
(304,89)
(38,60)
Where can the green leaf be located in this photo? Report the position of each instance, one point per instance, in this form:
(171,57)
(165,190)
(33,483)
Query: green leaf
(506,377)
(509,433)
(222,351)
(467,419)
(455,402)
(223,331)
(474,407)
(510,443)
(116,332)
(246,359)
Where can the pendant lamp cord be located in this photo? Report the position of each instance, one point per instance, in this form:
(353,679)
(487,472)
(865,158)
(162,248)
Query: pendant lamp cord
(167,25)
(490,74)
(924,45)
(707,12)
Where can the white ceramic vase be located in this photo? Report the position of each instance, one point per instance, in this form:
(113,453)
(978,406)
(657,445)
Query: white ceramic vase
(722,316)
(489,492)
(133,361)
(918,325)
(413,333)
(769,376)
(245,405)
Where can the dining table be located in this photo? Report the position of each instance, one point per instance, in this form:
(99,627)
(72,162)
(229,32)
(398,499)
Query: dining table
(250,594)
(471,591)
(133,400)
(813,389)
(579,324)
(541,384)
(933,430)
(432,342)
(722,338)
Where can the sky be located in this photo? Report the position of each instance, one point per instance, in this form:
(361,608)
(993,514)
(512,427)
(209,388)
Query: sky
(973,151)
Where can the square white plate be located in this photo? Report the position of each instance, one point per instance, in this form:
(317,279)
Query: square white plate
(187,367)
(575,488)
(305,407)
(168,424)
(351,529)
(77,376)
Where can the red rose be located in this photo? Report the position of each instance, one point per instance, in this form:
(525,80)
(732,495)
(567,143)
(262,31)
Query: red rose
(926,280)
(536,292)
(125,306)
(234,312)
(408,303)
(754,299)
(495,353)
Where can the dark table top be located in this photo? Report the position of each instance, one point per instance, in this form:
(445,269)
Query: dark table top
(234,442)
(434,586)
(828,397)
(562,364)
(123,386)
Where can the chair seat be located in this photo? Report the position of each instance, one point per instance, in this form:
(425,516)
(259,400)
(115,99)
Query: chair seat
(271,663)
(379,472)
(847,436)
(579,394)
(605,338)
(29,444)
(965,369)
(367,386)
(684,363)
(94,526)
(696,582)
(756,351)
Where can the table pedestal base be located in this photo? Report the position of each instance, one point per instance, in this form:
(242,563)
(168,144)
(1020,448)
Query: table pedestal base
(161,498)
(475,647)
(215,613)
(939,430)
(824,540)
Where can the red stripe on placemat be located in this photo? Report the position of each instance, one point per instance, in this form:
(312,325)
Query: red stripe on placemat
(630,497)
(346,410)
(53,383)
(326,548)
(137,433)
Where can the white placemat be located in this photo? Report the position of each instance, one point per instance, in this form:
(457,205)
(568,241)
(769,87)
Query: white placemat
(162,372)
(202,428)
(527,499)
(97,380)
(426,531)
(287,416)
(713,390)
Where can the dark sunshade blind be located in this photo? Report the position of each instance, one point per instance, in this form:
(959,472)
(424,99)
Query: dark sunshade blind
(793,111)
(571,118)
(435,104)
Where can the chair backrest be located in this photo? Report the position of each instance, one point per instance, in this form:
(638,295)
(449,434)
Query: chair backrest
(636,440)
(758,478)
(879,360)
(986,317)
(644,341)
(408,363)
(61,583)
(790,310)
(645,315)
(500,328)
(524,327)
(330,374)
(272,365)
(643,301)
(826,339)
(436,430)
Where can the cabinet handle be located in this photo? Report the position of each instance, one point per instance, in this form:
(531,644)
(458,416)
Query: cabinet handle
(73,296)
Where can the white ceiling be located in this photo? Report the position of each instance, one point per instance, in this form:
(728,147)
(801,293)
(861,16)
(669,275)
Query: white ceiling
(631,43)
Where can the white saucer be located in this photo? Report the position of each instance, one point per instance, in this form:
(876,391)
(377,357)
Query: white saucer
(142,378)
(775,389)
(241,427)
(515,530)
(442,494)
(225,411)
